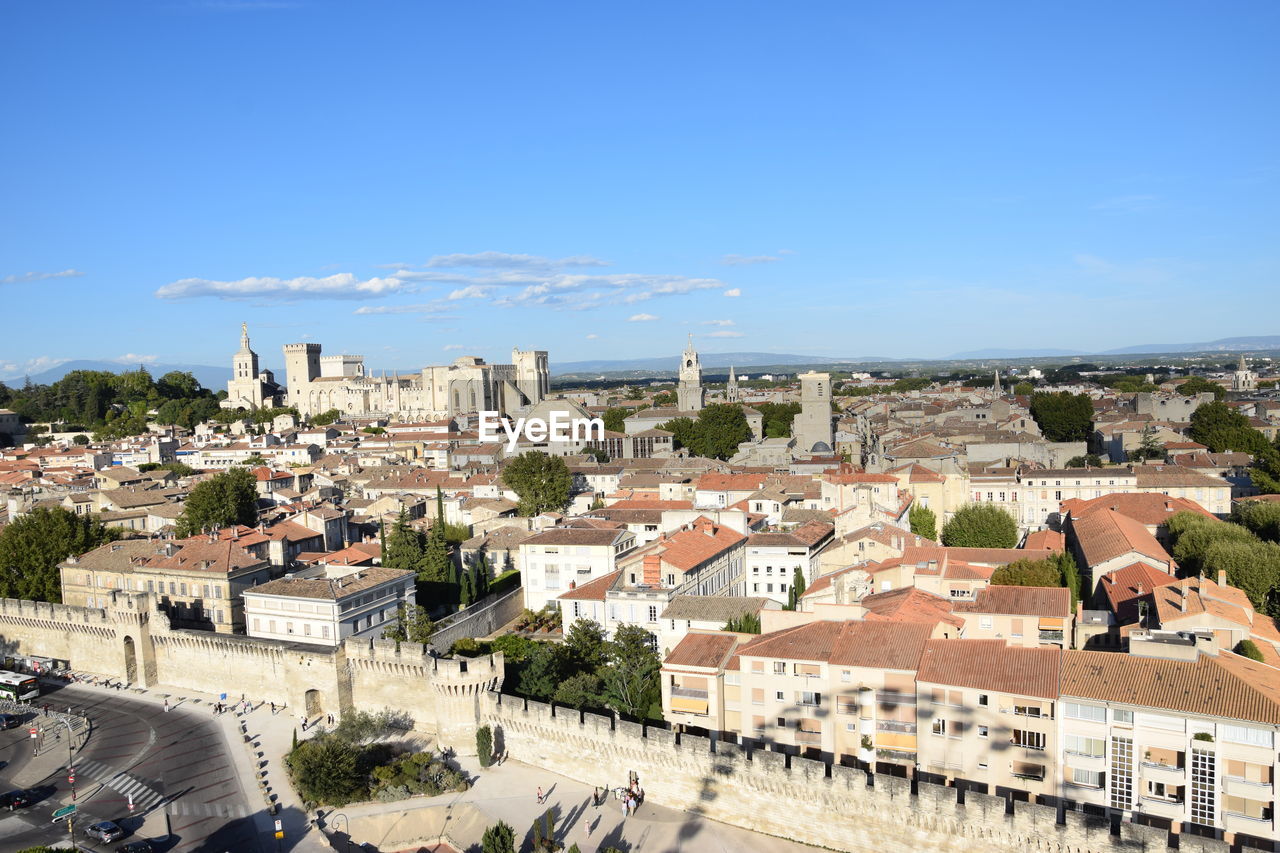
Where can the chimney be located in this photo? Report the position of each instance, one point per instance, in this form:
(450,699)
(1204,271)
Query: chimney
(652,570)
(1222,577)
(1140,591)
(1184,598)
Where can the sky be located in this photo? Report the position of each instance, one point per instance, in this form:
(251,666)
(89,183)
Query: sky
(413,181)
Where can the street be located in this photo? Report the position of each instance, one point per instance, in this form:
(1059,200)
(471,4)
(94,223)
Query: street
(173,762)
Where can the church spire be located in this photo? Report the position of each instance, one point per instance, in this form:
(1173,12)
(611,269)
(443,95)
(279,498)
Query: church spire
(244,337)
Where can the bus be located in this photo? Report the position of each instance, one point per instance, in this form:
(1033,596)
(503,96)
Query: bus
(18,687)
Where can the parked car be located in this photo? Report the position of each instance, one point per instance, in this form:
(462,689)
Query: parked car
(15,800)
(104,831)
(136,847)
(10,721)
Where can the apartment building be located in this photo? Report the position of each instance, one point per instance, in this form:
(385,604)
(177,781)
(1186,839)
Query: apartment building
(772,559)
(563,558)
(1030,616)
(327,610)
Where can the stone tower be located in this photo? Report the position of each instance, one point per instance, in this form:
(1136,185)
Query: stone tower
(812,427)
(301,368)
(689,395)
(533,374)
(1244,379)
(995,386)
(731,394)
(245,386)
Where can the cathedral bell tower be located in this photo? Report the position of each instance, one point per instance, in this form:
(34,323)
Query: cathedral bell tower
(689,395)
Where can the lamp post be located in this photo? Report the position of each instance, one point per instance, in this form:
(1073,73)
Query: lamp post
(71,771)
(346,822)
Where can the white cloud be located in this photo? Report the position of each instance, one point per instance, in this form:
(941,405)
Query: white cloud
(507,261)
(339,286)
(717,322)
(425,308)
(724,334)
(28,277)
(134,358)
(733,292)
(396,266)
(592,337)
(448,347)
(39,364)
(642,318)
(471,291)
(746,260)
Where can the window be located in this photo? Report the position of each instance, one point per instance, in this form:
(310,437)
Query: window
(983,731)
(809,698)
(1161,791)
(779,695)
(1124,718)
(271,626)
(257,624)
(1244,734)
(846,676)
(653,613)
(779,667)
(757,696)
(306,629)
(1027,710)
(289,627)
(768,587)
(1076,711)
(983,699)
(939,727)
(1026,739)
(985,622)
(1086,778)
(221,620)
(782,587)
(755,587)
(782,722)
(1079,745)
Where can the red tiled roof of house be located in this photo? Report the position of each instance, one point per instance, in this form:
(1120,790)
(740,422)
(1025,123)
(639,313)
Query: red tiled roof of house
(690,547)
(1108,533)
(592,590)
(1147,507)
(1046,540)
(910,604)
(979,556)
(705,651)
(1124,586)
(730,482)
(991,665)
(1045,601)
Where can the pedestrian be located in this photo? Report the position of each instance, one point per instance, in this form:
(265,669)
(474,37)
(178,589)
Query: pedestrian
(273,709)
(166,707)
(540,795)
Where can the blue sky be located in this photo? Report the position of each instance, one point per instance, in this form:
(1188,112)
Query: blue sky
(412,181)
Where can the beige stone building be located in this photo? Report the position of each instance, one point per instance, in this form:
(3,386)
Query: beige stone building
(327,610)
(198,584)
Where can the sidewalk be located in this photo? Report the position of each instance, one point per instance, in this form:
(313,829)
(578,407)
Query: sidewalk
(508,792)
(270,737)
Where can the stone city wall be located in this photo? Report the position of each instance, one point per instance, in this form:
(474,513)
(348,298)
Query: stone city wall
(810,801)
(479,621)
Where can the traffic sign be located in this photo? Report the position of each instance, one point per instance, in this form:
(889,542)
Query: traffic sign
(64,811)
(279,825)
(34,731)
(279,834)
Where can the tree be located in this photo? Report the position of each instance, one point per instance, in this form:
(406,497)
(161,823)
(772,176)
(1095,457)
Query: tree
(1089,460)
(1199,385)
(586,645)
(923,522)
(1070,577)
(980,526)
(1063,416)
(1253,567)
(484,745)
(80,440)
(542,482)
(1261,518)
(797,589)
(1024,389)
(634,392)
(1248,649)
(615,419)
(1220,428)
(777,418)
(664,399)
(499,838)
(1149,448)
(542,671)
(631,678)
(226,500)
(721,428)
(580,690)
(747,623)
(1028,573)
(412,626)
(404,545)
(684,432)
(32,546)
(324,770)
(325,418)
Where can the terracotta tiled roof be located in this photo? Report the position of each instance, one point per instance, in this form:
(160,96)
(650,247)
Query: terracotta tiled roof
(1046,540)
(687,549)
(706,651)
(1200,596)
(730,482)
(1147,507)
(991,665)
(1124,586)
(881,645)
(981,556)
(1020,600)
(1176,476)
(331,589)
(577,536)
(812,641)
(910,604)
(1225,685)
(592,590)
(1107,534)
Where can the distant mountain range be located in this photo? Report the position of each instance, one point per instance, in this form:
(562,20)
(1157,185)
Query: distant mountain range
(213,378)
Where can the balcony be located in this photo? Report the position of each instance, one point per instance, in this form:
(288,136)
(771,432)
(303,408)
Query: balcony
(1249,825)
(1051,636)
(893,697)
(689,693)
(1233,786)
(1163,772)
(808,737)
(846,706)
(895,726)
(1161,807)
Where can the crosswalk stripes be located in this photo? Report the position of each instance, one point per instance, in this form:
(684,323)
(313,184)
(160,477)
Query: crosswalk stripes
(144,797)
(180,808)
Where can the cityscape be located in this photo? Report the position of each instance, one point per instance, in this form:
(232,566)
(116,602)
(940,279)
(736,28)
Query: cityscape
(515,429)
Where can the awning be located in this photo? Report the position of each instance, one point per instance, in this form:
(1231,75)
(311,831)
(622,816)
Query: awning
(893,740)
(1052,623)
(1028,771)
(689,706)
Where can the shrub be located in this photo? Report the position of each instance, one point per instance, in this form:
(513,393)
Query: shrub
(484,745)
(499,838)
(980,526)
(1248,649)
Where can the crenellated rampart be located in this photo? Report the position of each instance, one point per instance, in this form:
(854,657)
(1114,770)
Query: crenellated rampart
(833,806)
